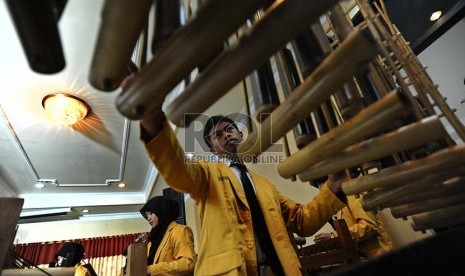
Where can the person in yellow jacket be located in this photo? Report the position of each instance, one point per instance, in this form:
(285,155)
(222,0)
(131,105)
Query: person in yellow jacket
(363,228)
(171,247)
(70,255)
(229,243)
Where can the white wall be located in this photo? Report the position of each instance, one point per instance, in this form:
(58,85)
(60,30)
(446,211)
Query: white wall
(445,59)
(75,229)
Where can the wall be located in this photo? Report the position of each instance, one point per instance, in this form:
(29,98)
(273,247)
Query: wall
(445,61)
(74,229)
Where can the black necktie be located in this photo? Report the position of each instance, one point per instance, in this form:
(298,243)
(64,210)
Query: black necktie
(258,222)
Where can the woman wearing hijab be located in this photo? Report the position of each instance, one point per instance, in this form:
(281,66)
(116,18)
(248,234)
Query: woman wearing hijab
(171,247)
(70,255)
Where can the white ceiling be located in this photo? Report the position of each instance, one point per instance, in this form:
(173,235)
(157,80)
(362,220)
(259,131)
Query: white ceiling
(88,153)
(85,155)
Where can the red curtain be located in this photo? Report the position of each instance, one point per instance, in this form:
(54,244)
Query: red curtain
(44,253)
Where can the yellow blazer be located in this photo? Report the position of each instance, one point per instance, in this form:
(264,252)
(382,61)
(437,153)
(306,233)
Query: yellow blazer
(362,227)
(227,244)
(175,255)
(81,270)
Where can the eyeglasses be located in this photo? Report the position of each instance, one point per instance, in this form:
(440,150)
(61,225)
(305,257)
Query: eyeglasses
(227,129)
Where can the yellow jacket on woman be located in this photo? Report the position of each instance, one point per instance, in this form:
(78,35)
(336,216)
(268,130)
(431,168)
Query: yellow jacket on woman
(227,244)
(175,255)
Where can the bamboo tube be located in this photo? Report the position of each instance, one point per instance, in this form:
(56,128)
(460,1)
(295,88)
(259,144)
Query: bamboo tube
(264,91)
(450,187)
(369,121)
(214,22)
(384,198)
(446,221)
(404,210)
(118,34)
(408,171)
(167,21)
(304,131)
(334,71)
(339,22)
(404,138)
(36,25)
(283,22)
(441,217)
(310,50)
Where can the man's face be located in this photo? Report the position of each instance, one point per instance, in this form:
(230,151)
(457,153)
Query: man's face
(225,139)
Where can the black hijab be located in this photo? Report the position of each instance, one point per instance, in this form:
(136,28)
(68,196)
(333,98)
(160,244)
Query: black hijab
(73,252)
(167,210)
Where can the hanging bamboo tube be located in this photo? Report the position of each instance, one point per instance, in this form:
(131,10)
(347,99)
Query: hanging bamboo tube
(383,198)
(347,98)
(332,72)
(371,81)
(213,23)
(116,40)
(167,21)
(404,138)
(265,95)
(282,22)
(304,131)
(36,25)
(408,171)
(404,210)
(451,186)
(310,51)
(449,216)
(369,121)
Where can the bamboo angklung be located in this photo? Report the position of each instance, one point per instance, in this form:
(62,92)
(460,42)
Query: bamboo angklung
(118,34)
(309,52)
(417,134)
(317,88)
(282,22)
(407,171)
(36,25)
(451,186)
(368,122)
(449,216)
(383,198)
(214,22)
(408,209)
(304,131)
(371,82)
(167,21)
(265,95)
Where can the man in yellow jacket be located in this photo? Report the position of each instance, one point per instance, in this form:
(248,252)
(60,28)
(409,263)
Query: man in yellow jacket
(228,244)
(363,228)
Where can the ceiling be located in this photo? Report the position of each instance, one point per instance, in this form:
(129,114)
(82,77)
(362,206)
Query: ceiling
(87,160)
(87,154)
(412,19)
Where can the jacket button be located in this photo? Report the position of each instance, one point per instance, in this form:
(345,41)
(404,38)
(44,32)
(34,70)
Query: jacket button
(250,245)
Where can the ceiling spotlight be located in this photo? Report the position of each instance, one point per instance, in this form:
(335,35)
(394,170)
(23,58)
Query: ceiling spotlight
(39,185)
(121,185)
(85,211)
(435,15)
(64,108)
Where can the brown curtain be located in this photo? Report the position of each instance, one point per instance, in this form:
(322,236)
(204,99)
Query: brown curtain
(44,253)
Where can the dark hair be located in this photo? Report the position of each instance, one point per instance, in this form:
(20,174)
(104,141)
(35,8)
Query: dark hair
(211,123)
(318,181)
(73,252)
